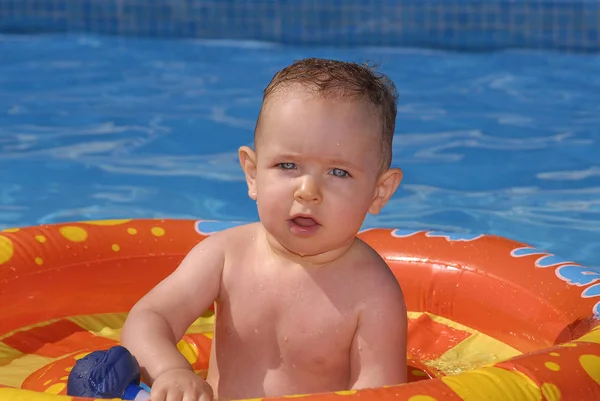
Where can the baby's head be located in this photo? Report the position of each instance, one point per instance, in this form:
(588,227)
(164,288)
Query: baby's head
(323,148)
(340,80)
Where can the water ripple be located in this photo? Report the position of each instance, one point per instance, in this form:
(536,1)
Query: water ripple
(105,127)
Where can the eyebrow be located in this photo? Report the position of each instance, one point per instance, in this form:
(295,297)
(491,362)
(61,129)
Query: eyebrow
(343,163)
(335,162)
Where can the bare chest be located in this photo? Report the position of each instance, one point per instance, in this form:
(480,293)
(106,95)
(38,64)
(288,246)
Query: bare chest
(289,324)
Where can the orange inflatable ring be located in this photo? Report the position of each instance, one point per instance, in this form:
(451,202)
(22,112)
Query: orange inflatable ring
(489,318)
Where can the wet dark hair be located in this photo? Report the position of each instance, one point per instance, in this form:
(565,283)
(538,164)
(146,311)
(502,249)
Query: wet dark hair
(344,80)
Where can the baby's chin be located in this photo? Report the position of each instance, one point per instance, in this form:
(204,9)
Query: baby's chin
(313,250)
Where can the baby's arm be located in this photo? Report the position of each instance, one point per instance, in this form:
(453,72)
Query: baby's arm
(378,351)
(159,320)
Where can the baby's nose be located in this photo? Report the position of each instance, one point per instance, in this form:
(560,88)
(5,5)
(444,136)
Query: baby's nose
(308,190)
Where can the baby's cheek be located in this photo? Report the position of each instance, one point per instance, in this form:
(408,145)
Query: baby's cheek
(347,203)
(349,192)
(273,197)
(275,188)
(355,204)
(274,180)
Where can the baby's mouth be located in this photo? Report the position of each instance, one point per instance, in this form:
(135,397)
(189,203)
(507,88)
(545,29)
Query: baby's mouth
(304,221)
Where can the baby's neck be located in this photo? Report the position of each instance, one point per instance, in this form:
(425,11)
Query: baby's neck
(308,261)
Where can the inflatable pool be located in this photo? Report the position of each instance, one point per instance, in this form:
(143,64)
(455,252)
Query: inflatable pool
(489,318)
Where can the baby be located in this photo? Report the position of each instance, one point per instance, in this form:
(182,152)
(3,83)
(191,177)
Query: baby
(302,305)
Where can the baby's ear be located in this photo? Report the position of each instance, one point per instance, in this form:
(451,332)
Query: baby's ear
(248,163)
(386,186)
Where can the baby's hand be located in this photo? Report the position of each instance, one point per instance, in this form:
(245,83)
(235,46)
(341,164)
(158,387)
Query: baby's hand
(180,385)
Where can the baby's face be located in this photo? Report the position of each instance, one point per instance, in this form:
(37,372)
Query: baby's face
(318,162)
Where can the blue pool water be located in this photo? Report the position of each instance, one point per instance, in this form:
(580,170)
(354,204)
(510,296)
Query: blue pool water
(105,127)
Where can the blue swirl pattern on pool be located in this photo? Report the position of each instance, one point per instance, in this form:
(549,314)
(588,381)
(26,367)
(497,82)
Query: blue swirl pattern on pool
(547,260)
(569,272)
(593,291)
(577,275)
(207,227)
(437,234)
(582,277)
(398,232)
(453,236)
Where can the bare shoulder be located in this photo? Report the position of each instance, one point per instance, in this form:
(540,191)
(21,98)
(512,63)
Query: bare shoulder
(379,285)
(235,241)
(229,239)
(196,283)
(371,264)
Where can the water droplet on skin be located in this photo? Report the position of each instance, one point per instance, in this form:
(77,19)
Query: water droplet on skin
(294,365)
(256,330)
(285,339)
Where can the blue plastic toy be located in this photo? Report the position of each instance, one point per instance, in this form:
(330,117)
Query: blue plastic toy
(113,373)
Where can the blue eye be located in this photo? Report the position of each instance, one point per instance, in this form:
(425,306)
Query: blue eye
(338,172)
(287,166)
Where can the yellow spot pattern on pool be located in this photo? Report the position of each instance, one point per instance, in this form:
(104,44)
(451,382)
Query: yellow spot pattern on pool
(6,249)
(552,366)
(346,392)
(132,231)
(422,398)
(115,247)
(40,238)
(39,260)
(591,365)
(47,382)
(568,345)
(10,230)
(554,354)
(114,222)
(551,392)
(489,383)
(590,337)
(157,231)
(55,388)
(73,233)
